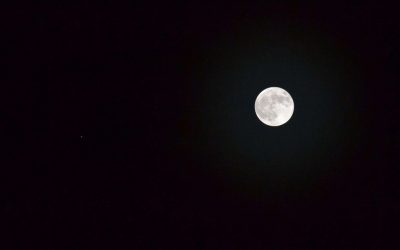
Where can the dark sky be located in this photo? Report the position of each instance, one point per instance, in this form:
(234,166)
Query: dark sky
(172,154)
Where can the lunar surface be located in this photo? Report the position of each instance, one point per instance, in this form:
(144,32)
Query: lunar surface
(274,106)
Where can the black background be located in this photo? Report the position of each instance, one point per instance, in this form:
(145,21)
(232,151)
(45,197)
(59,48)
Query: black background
(172,154)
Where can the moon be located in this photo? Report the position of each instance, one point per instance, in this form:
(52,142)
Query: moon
(274,106)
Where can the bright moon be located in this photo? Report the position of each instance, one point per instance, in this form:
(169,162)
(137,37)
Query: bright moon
(274,106)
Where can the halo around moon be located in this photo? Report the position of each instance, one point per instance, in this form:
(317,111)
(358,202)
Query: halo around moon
(274,106)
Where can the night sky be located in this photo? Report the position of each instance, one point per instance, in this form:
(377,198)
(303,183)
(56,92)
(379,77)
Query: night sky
(172,154)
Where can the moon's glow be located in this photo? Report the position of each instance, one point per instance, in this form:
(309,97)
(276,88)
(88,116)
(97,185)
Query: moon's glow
(274,106)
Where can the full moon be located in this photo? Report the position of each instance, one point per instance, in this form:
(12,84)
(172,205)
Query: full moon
(274,106)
